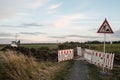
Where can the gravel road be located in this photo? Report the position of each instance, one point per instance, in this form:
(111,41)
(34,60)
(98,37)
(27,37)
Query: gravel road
(79,71)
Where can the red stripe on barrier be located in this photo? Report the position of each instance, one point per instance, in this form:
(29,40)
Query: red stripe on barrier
(99,54)
(108,56)
(70,51)
(61,52)
(96,54)
(95,62)
(64,51)
(67,51)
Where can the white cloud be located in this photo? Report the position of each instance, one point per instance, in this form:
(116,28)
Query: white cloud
(67,20)
(51,11)
(35,3)
(8,9)
(54,6)
(11,8)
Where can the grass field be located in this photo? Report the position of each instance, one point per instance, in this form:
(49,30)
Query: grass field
(111,48)
(51,46)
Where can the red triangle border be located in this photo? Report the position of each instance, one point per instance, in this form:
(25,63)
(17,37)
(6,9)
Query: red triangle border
(111,31)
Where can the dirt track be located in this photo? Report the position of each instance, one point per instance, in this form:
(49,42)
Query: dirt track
(79,71)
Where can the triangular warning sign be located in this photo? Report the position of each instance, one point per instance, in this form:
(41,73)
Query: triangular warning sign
(105,28)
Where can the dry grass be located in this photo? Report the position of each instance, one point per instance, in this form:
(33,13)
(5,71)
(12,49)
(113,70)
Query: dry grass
(19,67)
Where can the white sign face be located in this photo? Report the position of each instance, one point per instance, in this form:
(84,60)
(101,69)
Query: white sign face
(105,28)
(64,55)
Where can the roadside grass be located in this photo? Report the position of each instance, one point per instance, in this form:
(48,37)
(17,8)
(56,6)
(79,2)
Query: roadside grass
(94,73)
(51,46)
(116,73)
(19,67)
(62,74)
(1,52)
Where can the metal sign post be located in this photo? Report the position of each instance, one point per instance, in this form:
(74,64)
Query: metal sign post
(105,29)
(104,49)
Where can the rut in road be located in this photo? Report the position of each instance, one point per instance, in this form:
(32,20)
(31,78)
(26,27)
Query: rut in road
(79,71)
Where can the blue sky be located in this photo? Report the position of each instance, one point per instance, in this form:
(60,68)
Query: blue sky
(57,20)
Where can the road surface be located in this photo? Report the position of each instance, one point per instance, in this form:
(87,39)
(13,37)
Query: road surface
(79,71)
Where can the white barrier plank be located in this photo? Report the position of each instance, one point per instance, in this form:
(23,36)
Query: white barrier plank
(79,51)
(64,55)
(99,58)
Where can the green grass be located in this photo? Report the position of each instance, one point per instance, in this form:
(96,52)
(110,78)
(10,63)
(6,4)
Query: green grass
(51,46)
(62,74)
(94,73)
(111,48)
(116,73)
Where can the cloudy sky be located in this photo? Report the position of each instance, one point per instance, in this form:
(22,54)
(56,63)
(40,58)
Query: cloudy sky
(57,20)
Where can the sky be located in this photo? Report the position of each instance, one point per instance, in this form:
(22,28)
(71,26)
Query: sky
(51,21)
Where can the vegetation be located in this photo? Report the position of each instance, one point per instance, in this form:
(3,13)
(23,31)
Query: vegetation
(1,46)
(41,54)
(98,42)
(116,73)
(111,48)
(36,46)
(62,74)
(95,73)
(19,67)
